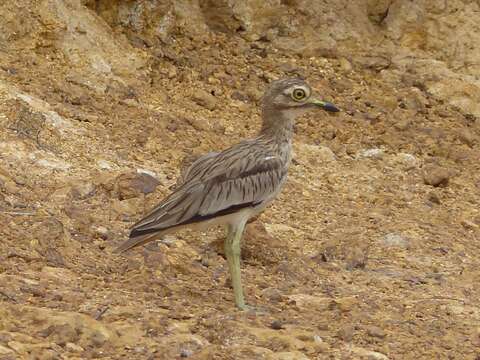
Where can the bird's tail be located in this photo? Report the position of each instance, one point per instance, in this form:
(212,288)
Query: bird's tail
(142,239)
(136,241)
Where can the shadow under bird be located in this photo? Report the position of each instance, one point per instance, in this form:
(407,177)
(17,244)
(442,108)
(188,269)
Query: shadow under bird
(230,187)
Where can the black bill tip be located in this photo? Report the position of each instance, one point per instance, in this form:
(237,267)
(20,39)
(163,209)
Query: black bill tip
(330,107)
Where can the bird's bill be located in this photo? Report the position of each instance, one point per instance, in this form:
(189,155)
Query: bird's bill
(325,105)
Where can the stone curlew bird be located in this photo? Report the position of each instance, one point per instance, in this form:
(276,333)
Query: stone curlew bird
(230,187)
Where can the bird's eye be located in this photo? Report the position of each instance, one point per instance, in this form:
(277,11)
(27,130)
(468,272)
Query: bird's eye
(298,94)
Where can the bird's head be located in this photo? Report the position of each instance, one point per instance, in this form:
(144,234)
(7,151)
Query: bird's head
(292,97)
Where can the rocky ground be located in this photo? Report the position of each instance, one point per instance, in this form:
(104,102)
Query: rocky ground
(371,251)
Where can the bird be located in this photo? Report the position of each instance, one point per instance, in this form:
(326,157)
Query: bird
(230,187)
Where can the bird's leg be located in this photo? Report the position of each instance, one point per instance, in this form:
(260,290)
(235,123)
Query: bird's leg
(232,252)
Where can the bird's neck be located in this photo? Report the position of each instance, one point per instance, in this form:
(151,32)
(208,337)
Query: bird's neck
(277,125)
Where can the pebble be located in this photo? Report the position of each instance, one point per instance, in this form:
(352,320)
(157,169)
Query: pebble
(466,136)
(395,240)
(436,176)
(272,294)
(406,161)
(346,333)
(184,353)
(130,185)
(5,351)
(375,331)
(82,190)
(364,353)
(239,95)
(73,347)
(374,153)
(433,198)
(356,258)
(205,99)
(469,225)
(345,304)
(276,325)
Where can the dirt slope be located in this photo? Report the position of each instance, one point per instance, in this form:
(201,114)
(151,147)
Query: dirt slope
(371,251)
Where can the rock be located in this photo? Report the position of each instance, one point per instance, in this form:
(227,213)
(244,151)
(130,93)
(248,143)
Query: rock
(276,325)
(345,304)
(433,198)
(375,331)
(104,164)
(205,99)
(184,353)
(374,153)
(314,155)
(239,95)
(436,176)
(82,189)
(346,333)
(305,301)
(345,65)
(395,240)
(60,334)
(156,259)
(469,225)
(287,355)
(125,209)
(356,257)
(73,348)
(466,136)
(406,161)
(272,294)
(130,185)
(364,353)
(5,351)
(260,245)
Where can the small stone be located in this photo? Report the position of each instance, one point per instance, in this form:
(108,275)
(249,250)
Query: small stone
(102,232)
(374,153)
(346,333)
(433,198)
(272,294)
(375,331)
(395,240)
(156,259)
(345,304)
(466,136)
(345,65)
(205,99)
(469,225)
(276,325)
(239,95)
(402,125)
(406,161)
(130,185)
(184,353)
(436,176)
(98,338)
(82,190)
(5,351)
(11,187)
(356,258)
(73,347)
(287,355)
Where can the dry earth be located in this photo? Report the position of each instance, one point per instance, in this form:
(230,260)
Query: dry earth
(372,250)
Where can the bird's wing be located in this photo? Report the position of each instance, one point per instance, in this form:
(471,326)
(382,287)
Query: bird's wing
(199,163)
(242,176)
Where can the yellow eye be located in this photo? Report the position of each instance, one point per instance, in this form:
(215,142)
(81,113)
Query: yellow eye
(298,94)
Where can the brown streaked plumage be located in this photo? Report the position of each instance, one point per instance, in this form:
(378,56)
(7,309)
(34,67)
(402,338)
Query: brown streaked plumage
(236,184)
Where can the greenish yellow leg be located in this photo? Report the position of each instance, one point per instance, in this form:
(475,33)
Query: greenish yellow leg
(232,252)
